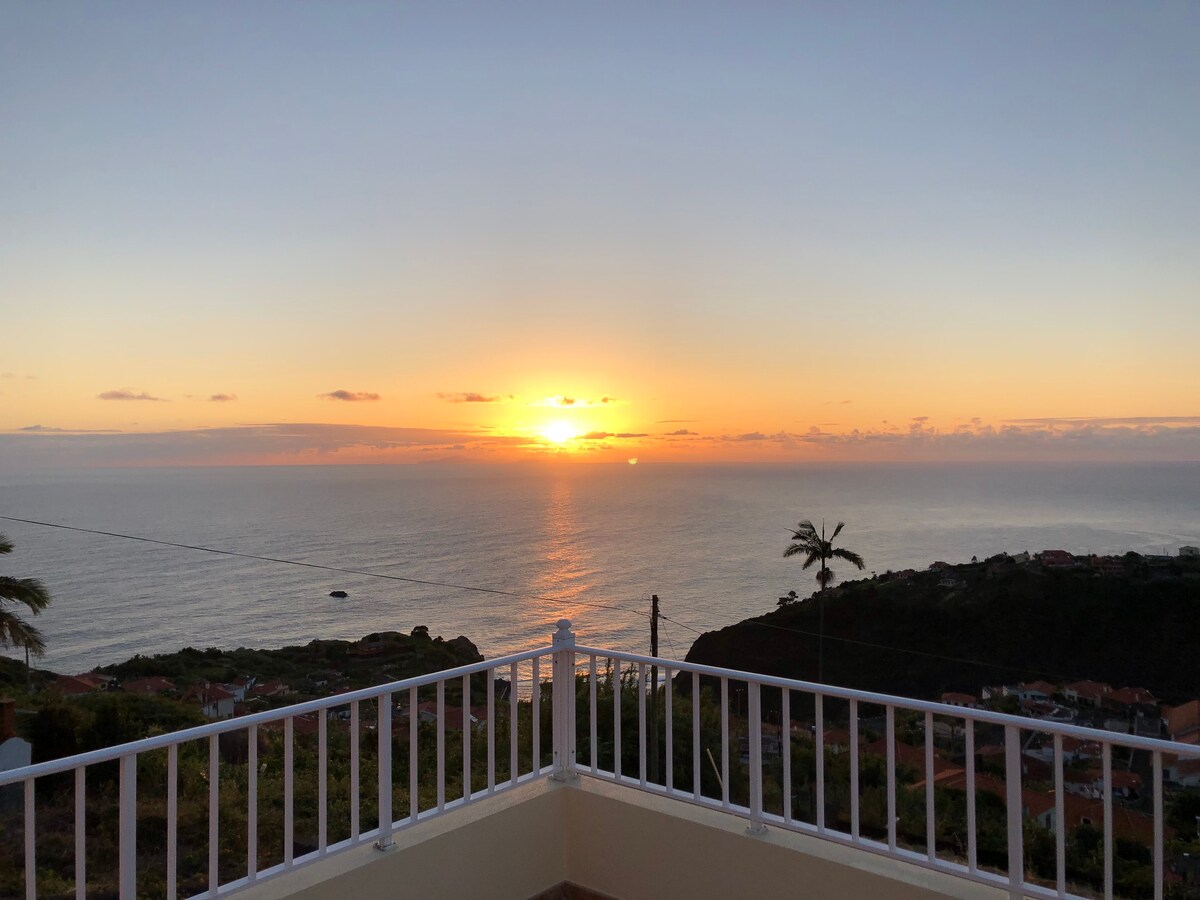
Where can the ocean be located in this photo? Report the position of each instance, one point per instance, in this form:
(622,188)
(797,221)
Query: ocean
(586,542)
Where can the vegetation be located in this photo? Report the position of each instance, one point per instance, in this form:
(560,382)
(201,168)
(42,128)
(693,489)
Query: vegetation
(15,631)
(917,634)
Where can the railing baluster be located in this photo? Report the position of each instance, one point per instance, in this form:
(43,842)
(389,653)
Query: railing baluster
(890,720)
(80,832)
(1016,849)
(592,734)
(754,726)
(725,742)
(355,792)
(31,841)
(1060,825)
(669,735)
(514,763)
(1157,787)
(535,757)
(172,821)
(972,839)
(414,755)
(1106,766)
(252,802)
(855,813)
(819,725)
(696,735)
(785,749)
(930,824)
(642,688)
(214,812)
(491,730)
(617,721)
(289,784)
(127,826)
(466,737)
(441,746)
(323,781)
(383,717)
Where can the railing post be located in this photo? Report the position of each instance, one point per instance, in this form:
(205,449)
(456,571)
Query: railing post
(755,744)
(1014,812)
(564,703)
(383,717)
(127,828)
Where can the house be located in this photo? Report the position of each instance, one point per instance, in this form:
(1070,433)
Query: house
(1086,692)
(837,740)
(1022,557)
(215,702)
(1108,565)
(1183,722)
(1056,559)
(275,688)
(1183,772)
(151,685)
(1188,552)
(965,701)
(1078,810)
(15,752)
(913,757)
(1130,700)
(1032,690)
(241,686)
(427,712)
(74,685)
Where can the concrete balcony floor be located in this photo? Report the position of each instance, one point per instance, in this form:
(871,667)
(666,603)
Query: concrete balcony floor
(590,839)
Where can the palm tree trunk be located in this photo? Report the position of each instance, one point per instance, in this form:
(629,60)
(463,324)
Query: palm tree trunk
(821,628)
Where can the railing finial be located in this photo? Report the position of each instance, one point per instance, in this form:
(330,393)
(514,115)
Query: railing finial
(564,637)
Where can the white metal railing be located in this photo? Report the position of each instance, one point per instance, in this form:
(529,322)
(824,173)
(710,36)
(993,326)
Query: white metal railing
(127,756)
(1013,727)
(579,666)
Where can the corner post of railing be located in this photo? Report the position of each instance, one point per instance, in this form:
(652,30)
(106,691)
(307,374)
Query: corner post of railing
(127,828)
(564,702)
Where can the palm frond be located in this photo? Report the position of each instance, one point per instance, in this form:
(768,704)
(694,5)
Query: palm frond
(850,556)
(837,530)
(16,632)
(6,545)
(29,591)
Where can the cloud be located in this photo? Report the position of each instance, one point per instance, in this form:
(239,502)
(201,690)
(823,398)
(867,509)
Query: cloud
(749,436)
(682,432)
(222,398)
(601,435)
(561,401)
(1106,420)
(129,395)
(471,397)
(675,421)
(350,396)
(47,429)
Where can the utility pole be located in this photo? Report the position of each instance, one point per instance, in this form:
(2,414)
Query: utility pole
(654,689)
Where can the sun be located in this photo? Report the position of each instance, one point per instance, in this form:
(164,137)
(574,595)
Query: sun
(559,432)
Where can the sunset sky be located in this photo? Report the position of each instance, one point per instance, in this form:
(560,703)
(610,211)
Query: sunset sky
(395,232)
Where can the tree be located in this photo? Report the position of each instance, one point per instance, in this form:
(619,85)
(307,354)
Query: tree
(816,548)
(14,630)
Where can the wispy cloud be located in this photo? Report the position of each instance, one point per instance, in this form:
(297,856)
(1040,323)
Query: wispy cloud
(682,432)
(1105,420)
(222,398)
(14,375)
(562,401)
(350,396)
(129,395)
(601,435)
(472,397)
(49,429)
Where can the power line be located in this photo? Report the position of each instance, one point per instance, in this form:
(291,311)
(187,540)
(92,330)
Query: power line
(312,565)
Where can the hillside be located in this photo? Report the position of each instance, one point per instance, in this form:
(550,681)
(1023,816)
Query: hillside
(979,624)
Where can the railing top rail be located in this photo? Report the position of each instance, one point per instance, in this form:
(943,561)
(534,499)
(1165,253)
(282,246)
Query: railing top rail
(157,742)
(943,709)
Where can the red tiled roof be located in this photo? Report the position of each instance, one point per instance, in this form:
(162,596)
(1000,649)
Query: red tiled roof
(151,685)
(955,697)
(1128,696)
(1183,718)
(76,684)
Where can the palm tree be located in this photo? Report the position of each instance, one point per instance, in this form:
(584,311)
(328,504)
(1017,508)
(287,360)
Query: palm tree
(817,548)
(14,630)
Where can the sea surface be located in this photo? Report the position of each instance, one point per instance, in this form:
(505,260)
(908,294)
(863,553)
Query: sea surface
(589,543)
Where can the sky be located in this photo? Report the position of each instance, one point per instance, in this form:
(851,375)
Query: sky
(240,233)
